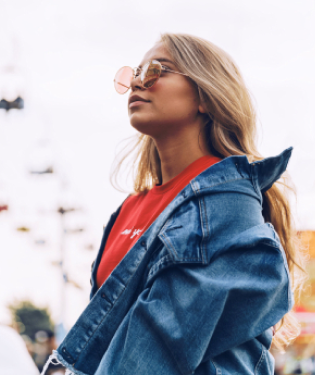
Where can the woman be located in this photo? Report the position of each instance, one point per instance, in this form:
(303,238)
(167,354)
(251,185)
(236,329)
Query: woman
(201,261)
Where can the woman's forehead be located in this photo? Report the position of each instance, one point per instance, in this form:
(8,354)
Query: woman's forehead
(157,52)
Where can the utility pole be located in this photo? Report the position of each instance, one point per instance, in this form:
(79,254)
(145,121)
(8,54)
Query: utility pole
(62,211)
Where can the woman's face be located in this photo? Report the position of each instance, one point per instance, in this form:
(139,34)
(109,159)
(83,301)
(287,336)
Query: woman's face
(171,103)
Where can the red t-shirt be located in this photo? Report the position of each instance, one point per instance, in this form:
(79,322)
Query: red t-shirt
(139,211)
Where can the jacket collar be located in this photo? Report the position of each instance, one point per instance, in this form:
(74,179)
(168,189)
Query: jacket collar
(263,174)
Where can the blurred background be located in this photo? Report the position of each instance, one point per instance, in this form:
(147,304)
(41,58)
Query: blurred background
(62,125)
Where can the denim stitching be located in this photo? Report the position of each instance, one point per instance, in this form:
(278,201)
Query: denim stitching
(194,188)
(162,230)
(202,228)
(262,356)
(207,224)
(178,258)
(170,244)
(218,371)
(206,217)
(189,259)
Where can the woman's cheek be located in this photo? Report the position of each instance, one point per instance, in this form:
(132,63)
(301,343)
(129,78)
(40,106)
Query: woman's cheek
(157,89)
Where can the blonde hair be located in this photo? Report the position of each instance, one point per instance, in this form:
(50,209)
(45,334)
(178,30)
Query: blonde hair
(231,130)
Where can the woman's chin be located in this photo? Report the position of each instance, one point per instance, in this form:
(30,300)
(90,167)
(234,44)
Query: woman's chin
(142,123)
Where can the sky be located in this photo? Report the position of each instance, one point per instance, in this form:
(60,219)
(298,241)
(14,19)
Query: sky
(64,56)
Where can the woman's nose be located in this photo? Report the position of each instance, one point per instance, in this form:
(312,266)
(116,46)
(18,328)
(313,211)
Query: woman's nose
(136,83)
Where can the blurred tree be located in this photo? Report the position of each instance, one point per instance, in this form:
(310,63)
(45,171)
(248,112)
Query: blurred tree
(29,318)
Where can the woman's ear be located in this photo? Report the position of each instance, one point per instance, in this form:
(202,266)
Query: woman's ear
(201,108)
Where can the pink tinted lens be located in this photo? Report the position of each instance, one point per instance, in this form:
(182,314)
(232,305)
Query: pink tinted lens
(123,79)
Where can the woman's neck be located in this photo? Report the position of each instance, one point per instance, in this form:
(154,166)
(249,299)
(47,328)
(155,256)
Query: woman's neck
(179,151)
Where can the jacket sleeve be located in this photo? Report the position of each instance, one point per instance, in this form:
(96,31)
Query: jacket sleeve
(190,313)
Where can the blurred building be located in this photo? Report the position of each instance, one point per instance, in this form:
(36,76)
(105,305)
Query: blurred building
(300,355)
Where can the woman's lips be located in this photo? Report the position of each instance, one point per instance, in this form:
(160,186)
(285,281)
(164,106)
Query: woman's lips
(136,103)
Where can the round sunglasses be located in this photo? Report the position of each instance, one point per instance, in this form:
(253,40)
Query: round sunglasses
(149,75)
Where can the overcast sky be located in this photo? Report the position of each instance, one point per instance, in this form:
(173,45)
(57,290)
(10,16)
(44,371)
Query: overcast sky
(65,54)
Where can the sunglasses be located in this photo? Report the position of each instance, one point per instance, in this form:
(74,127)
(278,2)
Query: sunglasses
(149,75)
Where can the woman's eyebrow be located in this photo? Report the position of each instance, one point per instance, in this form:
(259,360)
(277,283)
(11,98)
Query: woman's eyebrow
(160,59)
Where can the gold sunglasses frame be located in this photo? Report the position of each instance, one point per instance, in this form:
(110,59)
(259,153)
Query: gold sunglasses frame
(150,65)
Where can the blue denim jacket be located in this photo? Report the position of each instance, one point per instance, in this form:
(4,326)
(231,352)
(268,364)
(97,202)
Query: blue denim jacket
(199,291)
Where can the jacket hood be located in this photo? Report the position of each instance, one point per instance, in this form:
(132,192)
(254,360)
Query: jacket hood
(263,173)
(270,169)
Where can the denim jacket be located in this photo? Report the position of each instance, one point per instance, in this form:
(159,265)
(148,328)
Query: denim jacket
(198,292)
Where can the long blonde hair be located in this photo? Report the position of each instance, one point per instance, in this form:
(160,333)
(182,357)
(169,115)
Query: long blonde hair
(231,130)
